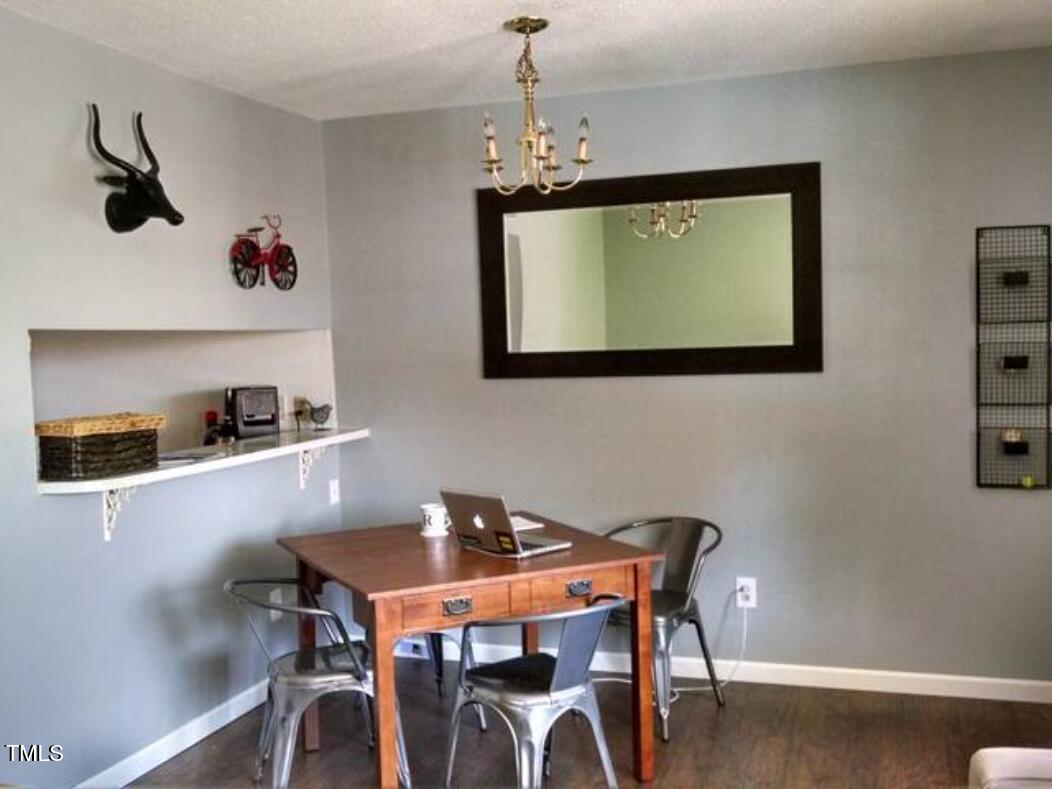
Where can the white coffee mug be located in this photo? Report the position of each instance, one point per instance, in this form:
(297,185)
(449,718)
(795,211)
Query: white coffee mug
(434,519)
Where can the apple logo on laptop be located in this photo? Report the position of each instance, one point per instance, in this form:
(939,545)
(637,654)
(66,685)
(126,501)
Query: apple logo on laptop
(479,523)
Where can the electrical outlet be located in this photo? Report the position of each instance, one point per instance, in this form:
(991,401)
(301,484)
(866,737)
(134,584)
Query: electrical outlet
(745,592)
(334,491)
(275,597)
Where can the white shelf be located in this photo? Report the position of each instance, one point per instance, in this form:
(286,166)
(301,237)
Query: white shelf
(307,444)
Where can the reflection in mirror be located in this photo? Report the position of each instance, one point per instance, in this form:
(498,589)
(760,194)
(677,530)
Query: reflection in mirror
(715,273)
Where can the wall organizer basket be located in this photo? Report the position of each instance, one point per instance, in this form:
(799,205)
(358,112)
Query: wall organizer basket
(93,447)
(1013,335)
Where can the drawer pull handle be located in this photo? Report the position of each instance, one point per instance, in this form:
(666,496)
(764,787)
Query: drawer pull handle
(582,587)
(456,606)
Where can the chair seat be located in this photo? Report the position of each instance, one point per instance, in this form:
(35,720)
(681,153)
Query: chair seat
(663,604)
(319,663)
(517,680)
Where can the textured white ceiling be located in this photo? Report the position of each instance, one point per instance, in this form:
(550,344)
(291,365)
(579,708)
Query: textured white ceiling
(335,58)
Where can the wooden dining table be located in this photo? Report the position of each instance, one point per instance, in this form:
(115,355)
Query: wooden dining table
(402,583)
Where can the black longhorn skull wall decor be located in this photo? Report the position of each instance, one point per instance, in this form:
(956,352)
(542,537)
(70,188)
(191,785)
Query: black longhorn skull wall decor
(143,196)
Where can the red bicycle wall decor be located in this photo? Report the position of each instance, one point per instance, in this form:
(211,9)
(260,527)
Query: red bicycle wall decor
(248,258)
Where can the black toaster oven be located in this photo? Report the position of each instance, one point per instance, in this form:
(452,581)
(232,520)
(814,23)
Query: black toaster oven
(252,410)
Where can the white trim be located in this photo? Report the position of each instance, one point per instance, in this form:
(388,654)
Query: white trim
(175,742)
(955,685)
(924,684)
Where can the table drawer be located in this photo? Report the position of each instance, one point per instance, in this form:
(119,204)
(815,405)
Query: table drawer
(573,590)
(446,609)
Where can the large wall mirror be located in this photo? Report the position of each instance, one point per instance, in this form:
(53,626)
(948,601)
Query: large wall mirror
(689,273)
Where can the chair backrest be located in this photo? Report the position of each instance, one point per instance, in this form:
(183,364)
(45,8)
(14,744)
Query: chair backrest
(686,541)
(254,594)
(578,642)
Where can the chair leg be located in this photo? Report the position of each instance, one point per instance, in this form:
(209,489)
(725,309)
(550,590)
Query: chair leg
(469,657)
(266,736)
(364,703)
(590,707)
(662,678)
(287,713)
(696,621)
(548,753)
(402,753)
(435,652)
(454,731)
(530,747)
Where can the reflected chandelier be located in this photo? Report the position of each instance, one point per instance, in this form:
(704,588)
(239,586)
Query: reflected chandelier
(660,222)
(538,163)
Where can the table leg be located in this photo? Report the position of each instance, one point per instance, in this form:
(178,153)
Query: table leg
(387,621)
(642,679)
(438,659)
(531,638)
(309,578)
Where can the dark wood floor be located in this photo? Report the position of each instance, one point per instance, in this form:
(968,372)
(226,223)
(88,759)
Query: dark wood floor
(767,736)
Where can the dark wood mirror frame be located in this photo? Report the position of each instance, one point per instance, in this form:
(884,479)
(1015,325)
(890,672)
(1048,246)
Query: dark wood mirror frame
(802,181)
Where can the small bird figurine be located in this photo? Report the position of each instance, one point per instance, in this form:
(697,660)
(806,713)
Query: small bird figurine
(319,415)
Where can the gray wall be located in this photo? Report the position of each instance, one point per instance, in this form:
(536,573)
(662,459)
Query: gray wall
(107,647)
(850,493)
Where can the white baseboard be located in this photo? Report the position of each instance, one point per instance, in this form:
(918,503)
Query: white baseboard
(959,686)
(160,751)
(918,683)
(955,685)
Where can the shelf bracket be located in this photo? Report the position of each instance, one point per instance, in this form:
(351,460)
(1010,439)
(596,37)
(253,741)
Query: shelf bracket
(112,501)
(308,457)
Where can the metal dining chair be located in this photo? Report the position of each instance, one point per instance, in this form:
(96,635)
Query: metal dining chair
(530,693)
(686,542)
(299,678)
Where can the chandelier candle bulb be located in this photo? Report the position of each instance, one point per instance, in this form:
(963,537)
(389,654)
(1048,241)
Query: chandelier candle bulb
(582,141)
(542,140)
(491,152)
(489,131)
(553,163)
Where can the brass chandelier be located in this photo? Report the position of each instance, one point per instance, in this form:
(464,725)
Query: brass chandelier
(661,224)
(538,160)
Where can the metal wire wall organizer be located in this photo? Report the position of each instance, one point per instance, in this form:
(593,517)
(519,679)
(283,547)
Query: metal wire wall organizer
(1012,356)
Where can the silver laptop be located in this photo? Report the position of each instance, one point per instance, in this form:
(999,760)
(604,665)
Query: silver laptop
(483,523)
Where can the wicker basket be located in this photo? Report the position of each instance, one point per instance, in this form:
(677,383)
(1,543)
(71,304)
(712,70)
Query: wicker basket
(91,447)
